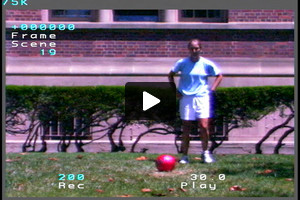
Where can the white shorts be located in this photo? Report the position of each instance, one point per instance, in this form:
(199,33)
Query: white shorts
(192,108)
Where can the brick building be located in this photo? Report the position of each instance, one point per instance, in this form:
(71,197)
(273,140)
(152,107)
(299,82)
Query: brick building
(243,42)
(163,33)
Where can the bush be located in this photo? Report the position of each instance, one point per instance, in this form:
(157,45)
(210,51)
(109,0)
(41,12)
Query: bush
(243,104)
(63,102)
(38,105)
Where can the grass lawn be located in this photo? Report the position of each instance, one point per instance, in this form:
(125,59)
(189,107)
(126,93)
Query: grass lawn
(121,175)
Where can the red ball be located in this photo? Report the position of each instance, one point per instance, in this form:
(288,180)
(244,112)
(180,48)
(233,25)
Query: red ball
(165,162)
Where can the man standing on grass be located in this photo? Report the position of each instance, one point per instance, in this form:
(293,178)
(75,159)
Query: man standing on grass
(194,94)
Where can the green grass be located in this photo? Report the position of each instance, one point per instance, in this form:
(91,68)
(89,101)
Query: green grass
(117,174)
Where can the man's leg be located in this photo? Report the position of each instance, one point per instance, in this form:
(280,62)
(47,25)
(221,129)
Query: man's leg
(205,131)
(204,125)
(186,130)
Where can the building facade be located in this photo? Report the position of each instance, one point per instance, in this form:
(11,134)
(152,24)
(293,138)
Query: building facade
(163,33)
(252,48)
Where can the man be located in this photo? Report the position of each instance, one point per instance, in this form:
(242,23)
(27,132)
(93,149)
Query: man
(194,94)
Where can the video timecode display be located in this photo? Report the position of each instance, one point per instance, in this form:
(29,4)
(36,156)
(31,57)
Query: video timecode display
(43,27)
(44,37)
(70,177)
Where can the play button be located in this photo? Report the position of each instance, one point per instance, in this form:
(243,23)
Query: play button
(150,101)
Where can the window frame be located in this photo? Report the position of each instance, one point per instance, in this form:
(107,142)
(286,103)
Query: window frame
(92,18)
(159,17)
(222,19)
(54,130)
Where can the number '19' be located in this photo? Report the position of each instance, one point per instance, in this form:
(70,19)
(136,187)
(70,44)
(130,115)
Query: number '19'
(51,52)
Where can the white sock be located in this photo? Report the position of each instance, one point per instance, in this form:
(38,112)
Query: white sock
(206,152)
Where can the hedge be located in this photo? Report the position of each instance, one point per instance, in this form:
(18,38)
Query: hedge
(251,103)
(241,104)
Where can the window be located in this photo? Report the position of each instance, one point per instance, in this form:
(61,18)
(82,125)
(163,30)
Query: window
(136,15)
(55,130)
(220,132)
(73,15)
(203,15)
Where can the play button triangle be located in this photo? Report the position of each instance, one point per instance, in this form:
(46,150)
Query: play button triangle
(149,101)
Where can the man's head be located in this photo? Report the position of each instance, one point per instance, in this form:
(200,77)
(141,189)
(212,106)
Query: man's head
(194,47)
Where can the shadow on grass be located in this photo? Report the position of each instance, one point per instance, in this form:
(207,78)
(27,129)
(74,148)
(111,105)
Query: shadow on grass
(280,170)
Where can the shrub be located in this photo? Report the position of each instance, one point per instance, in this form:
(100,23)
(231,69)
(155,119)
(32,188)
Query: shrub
(38,105)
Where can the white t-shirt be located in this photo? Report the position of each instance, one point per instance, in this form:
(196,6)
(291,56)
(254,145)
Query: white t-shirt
(194,75)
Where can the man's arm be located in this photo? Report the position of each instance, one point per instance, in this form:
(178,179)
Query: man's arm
(171,77)
(216,82)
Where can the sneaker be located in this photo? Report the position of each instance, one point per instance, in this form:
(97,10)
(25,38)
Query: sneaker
(184,160)
(207,157)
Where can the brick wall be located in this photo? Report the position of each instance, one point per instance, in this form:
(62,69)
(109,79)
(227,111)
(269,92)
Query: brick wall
(23,15)
(261,16)
(167,43)
(159,49)
(162,43)
(234,15)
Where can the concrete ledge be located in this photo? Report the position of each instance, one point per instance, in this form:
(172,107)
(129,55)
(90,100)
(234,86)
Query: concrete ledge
(239,147)
(86,71)
(153,65)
